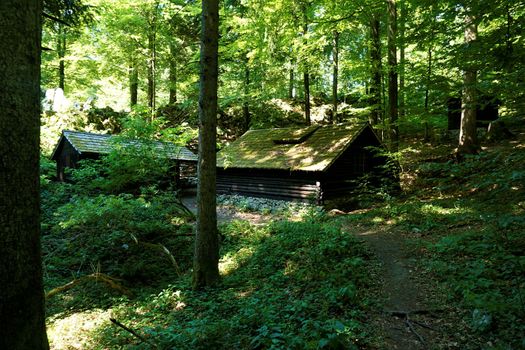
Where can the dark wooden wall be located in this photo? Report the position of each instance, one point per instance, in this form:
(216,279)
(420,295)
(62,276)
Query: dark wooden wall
(342,178)
(67,158)
(274,184)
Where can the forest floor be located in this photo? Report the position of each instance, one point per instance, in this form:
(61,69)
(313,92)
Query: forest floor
(410,317)
(401,291)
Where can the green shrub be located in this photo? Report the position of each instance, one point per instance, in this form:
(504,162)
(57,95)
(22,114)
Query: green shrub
(122,235)
(289,285)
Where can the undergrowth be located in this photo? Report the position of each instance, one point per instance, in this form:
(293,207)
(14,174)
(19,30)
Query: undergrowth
(285,285)
(466,224)
(299,285)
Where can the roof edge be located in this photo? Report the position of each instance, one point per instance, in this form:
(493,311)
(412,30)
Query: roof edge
(68,140)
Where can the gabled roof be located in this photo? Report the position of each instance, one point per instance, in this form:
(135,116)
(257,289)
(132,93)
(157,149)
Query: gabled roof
(313,148)
(85,142)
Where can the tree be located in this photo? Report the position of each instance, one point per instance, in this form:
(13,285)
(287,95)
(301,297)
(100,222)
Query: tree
(468,142)
(206,259)
(306,73)
(151,15)
(375,64)
(392,75)
(66,18)
(335,58)
(21,296)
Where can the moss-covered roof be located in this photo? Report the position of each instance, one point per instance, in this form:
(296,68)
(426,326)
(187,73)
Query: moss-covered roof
(85,142)
(313,148)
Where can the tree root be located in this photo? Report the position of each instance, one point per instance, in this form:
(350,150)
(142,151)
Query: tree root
(413,330)
(97,276)
(405,315)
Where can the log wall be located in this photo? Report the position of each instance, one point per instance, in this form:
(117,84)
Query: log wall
(260,183)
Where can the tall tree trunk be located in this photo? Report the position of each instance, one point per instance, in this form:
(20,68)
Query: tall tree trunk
(306,74)
(335,55)
(306,80)
(468,141)
(245,105)
(392,75)
(402,106)
(61,51)
(21,295)
(152,59)
(133,84)
(151,72)
(206,258)
(173,75)
(291,81)
(427,92)
(375,63)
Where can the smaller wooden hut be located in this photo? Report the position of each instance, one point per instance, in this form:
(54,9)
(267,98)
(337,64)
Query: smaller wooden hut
(315,163)
(74,146)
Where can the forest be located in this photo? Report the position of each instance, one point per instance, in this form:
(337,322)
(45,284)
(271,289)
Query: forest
(135,246)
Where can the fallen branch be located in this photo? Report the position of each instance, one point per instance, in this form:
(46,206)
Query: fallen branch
(144,340)
(97,276)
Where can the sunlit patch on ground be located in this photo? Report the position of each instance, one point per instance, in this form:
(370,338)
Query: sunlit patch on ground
(75,331)
(232,262)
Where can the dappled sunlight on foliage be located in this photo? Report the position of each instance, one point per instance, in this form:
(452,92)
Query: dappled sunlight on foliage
(466,221)
(263,301)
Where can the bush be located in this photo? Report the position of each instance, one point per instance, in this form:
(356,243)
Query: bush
(290,285)
(124,236)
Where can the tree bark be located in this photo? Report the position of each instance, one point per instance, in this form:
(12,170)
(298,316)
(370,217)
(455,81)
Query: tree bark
(392,75)
(335,55)
(173,75)
(152,59)
(402,106)
(206,258)
(468,141)
(306,79)
(427,92)
(306,74)
(375,63)
(61,51)
(21,293)
(291,81)
(246,105)
(133,84)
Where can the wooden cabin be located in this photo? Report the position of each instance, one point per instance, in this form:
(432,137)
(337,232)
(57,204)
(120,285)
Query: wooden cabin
(74,146)
(315,163)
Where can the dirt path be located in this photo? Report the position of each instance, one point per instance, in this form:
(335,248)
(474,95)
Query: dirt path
(401,291)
